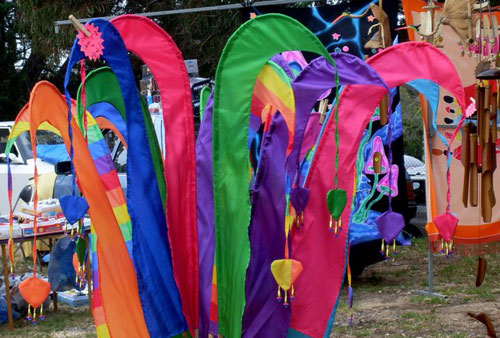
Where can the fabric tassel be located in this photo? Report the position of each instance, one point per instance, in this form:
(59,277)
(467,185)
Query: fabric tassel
(302,219)
(285,303)
(34,317)
(42,317)
(331,224)
(292,294)
(382,249)
(278,297)
(349,293)
(394,251)
(28,316)
(349,299)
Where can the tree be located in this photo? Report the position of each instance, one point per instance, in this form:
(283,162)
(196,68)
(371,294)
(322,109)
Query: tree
(412,122)
(35,52)
(11,96)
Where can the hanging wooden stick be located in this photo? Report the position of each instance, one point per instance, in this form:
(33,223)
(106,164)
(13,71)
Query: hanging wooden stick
(486,113)
(486,158)
(383,110)
(480,116)
(494,108)
(323,105)
(78,26)
(465,158)
(473,180)
(493,141)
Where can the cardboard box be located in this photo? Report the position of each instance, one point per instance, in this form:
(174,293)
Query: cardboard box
(44,227)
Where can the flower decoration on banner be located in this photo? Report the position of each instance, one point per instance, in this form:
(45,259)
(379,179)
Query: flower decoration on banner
(376,165)
(385,186)
(91,45)
(377,155)
(336,36)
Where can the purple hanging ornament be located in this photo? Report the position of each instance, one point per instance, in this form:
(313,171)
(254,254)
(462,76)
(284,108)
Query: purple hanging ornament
(299,196)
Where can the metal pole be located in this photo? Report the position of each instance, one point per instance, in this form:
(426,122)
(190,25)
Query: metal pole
(195,10)
(430,258)
(430,270)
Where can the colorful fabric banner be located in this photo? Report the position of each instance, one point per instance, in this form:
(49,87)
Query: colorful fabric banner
(158,292)
(115,267)
(356,106)
(156,48)
(256,41)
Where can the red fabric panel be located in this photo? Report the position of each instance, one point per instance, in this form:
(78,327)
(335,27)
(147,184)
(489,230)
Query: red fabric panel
(322,255)
(157,49)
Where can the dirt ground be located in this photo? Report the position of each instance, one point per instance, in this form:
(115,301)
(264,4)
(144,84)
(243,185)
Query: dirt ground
(386,304)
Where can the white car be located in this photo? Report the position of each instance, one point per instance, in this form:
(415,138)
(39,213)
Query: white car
(414,167)
(416,170)
(22,165)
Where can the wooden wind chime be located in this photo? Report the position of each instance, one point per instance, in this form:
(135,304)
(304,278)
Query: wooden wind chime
(478,153)
(479,136)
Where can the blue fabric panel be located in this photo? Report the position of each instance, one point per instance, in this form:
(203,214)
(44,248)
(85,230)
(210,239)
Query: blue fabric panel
(109,112)
(158,291)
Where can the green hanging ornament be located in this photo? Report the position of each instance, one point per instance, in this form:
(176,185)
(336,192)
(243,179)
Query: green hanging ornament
(336,199)
(79,262)
(81,247)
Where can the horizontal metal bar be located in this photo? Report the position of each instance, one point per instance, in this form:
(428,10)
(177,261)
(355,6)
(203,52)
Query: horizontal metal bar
(195,10)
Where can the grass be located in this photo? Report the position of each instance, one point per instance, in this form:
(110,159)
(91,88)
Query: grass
(66,322)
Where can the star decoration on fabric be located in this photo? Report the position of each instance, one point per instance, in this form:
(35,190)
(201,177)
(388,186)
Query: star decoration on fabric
(253,15)
(91,45)
(336,36)
(371,18)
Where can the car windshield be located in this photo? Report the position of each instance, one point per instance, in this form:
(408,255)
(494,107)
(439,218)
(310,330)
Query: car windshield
(43,138)
(4,136)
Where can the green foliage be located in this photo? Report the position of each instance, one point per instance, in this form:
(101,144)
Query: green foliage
(10,81)
(35,52)
(412,122)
